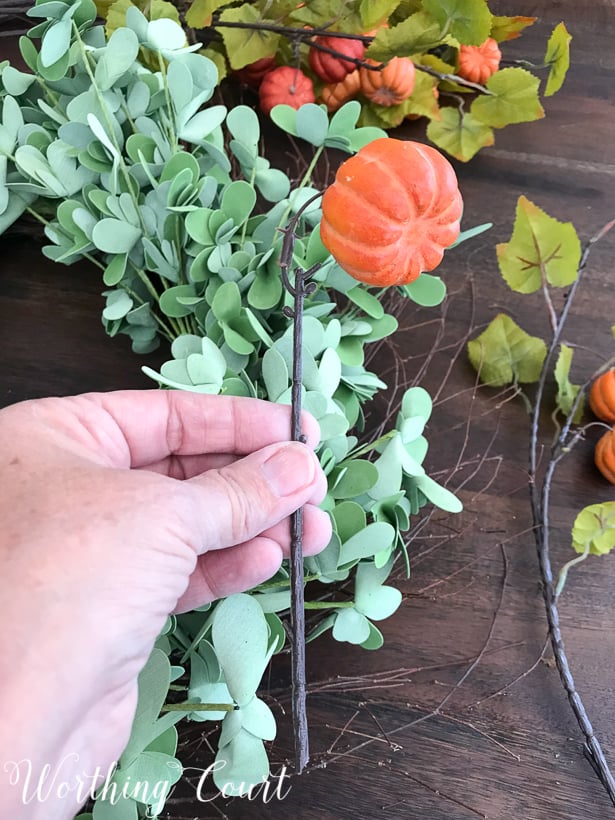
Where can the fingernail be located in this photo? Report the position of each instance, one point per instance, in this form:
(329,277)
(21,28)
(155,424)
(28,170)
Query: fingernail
(289,469)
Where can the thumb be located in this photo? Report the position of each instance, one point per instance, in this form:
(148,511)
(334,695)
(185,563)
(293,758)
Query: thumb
(235,503)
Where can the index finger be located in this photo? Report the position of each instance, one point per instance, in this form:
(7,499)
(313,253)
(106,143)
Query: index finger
(156,424)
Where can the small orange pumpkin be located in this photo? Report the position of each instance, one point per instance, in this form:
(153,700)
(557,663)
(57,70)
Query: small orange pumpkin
(253,74)
(604,455)
(602,397)
(391,85)
(286,85)
(334,95)
(478,63)
(391,211)
(327,66)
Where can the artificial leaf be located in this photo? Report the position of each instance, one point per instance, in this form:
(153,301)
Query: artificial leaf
(506,354)
(540,250)
(423,102)
(438,495)
(595,526)
(557,58)
(154,680)
(416,402)
(566,392)
(351,626)
(415,35)
(354,478)
(349,519)
(243,45)
(427,290)
(312,124)
(460,135)
(115,236)
(377,602)
(375,12)
(117,58)
(199,14)
(366,543)
(375,639)
(56,43)
(240,636)
(257,718)
(469,21)
(120,809)
(513,98)
(509,28)
(241,764)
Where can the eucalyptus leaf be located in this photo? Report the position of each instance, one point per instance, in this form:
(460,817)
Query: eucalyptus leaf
(240,638)
(351,626)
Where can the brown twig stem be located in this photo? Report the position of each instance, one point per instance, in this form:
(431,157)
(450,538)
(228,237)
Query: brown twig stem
(298,289)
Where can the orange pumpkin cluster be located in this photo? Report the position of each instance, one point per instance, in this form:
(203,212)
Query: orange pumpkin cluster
(602,403)
(390,213)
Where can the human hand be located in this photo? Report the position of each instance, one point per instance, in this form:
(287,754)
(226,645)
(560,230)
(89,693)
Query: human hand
(118,509)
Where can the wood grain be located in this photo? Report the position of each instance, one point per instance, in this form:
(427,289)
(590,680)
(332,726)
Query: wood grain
(472,620)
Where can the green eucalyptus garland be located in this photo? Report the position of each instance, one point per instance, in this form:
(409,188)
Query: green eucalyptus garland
(171,199)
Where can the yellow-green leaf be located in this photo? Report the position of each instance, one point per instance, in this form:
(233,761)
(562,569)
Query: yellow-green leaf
(423,102)
(467,20)
(514,98)
(418,33)
(245,46)
(540,249)
(595,526)
(460,136)
(566,391)
(200,11)
(557,58)
(506,354)
(375,12)
(382,116)
(509,28)
(331,14)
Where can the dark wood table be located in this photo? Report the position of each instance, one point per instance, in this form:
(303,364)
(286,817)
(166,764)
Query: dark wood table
(457,717)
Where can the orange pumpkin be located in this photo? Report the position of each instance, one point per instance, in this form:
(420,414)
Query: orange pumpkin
(327,66)
(604,456)
(602,397)
(252,74)
(334,95)
(391,85)
(478,63)
(391,211)
(285,85)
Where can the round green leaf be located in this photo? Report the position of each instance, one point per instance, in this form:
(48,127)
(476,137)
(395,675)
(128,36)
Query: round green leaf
(351,626)
(366,543)
(240,636)
(427,290)
(241,764)
(114,236)
(355,478)
(312,123)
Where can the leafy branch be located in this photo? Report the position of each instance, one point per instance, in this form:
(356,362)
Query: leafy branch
(544,253)
(540,504)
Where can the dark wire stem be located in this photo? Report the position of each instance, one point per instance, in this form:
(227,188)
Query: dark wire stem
(540,514)
(299,289)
